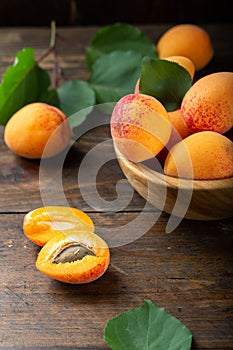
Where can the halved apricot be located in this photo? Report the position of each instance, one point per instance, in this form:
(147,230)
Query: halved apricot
(42,224)
(77,261)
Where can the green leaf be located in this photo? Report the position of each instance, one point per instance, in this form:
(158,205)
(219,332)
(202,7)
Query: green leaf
(24,82)
(115,75)
(119,36)
(77,100)
(147,327)
(167,81)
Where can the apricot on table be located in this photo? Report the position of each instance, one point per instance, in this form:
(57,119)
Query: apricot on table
(78,261)
(210,153)
(208,104)
(183,61)
(42,224)
(140,126)
(187,40)
(31,127)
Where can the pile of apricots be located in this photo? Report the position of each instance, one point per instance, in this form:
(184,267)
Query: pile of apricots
(71,252)
(201,127)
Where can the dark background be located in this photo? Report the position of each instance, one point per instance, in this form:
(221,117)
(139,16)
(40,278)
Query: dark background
(102,12)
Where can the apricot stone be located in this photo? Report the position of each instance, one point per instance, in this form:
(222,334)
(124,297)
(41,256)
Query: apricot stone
(210,153)
(208,104)
(140,126)
(30,128)
(186,40)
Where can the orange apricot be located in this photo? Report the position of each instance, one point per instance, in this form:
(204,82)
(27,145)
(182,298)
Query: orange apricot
(208,104)
(78,261)
(31,127)
(183,61)
(42,224)
(210,154)
(140,126)
(187,40)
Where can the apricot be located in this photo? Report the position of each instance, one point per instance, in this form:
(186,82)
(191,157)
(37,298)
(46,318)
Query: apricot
(42,224)
(31,127)
(183,61)
(187,40)
(210,153)
(208,104)
(140,126)
(78,261)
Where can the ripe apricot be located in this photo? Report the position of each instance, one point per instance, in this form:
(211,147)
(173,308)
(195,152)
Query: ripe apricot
(29,129)
(208,104)
(183,61)
(78,261)
(140,126)
(42,224)
(186,40)
(210,153)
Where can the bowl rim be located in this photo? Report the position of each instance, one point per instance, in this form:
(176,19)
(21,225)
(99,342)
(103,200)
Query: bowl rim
(142,169)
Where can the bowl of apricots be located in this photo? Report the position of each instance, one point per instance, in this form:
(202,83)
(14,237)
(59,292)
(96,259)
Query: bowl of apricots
(181,160)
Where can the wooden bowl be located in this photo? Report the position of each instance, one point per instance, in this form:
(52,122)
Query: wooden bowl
(190,199)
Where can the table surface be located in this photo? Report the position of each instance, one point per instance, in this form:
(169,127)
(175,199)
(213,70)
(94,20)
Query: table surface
(189,271)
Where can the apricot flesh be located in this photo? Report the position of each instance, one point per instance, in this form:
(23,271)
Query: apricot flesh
(187,40)
(31,127)
(84,270)
(210,153)
(140,126)
(42,224)
(208,104)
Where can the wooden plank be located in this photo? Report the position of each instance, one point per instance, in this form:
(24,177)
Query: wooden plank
(189,272)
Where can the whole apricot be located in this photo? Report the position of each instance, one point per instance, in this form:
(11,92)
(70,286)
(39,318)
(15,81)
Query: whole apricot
(183,61)
(186,40)
(210,153)
(31,127)
(140,126)
(208,104)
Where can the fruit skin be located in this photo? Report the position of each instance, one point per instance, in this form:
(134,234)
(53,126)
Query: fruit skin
(179,132)
(140,126)
(187,40)
(208,104)
(42,224)
(210,153)
(82,271)
(29,129)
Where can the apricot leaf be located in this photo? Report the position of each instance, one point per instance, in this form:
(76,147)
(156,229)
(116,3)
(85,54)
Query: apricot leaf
(118,36)
(24,82)
(167,81)
(115,75)
(147,327)
(76,96)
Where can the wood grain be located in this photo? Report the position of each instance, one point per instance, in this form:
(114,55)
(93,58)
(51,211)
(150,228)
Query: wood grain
(188,271)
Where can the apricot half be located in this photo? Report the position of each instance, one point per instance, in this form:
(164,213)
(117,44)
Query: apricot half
(42,224)
(187,40)
(208,104)
(31,127)
(140,126)
(210,153)
(78,261)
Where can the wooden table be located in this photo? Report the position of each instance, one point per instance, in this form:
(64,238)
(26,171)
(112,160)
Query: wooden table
(189,272)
